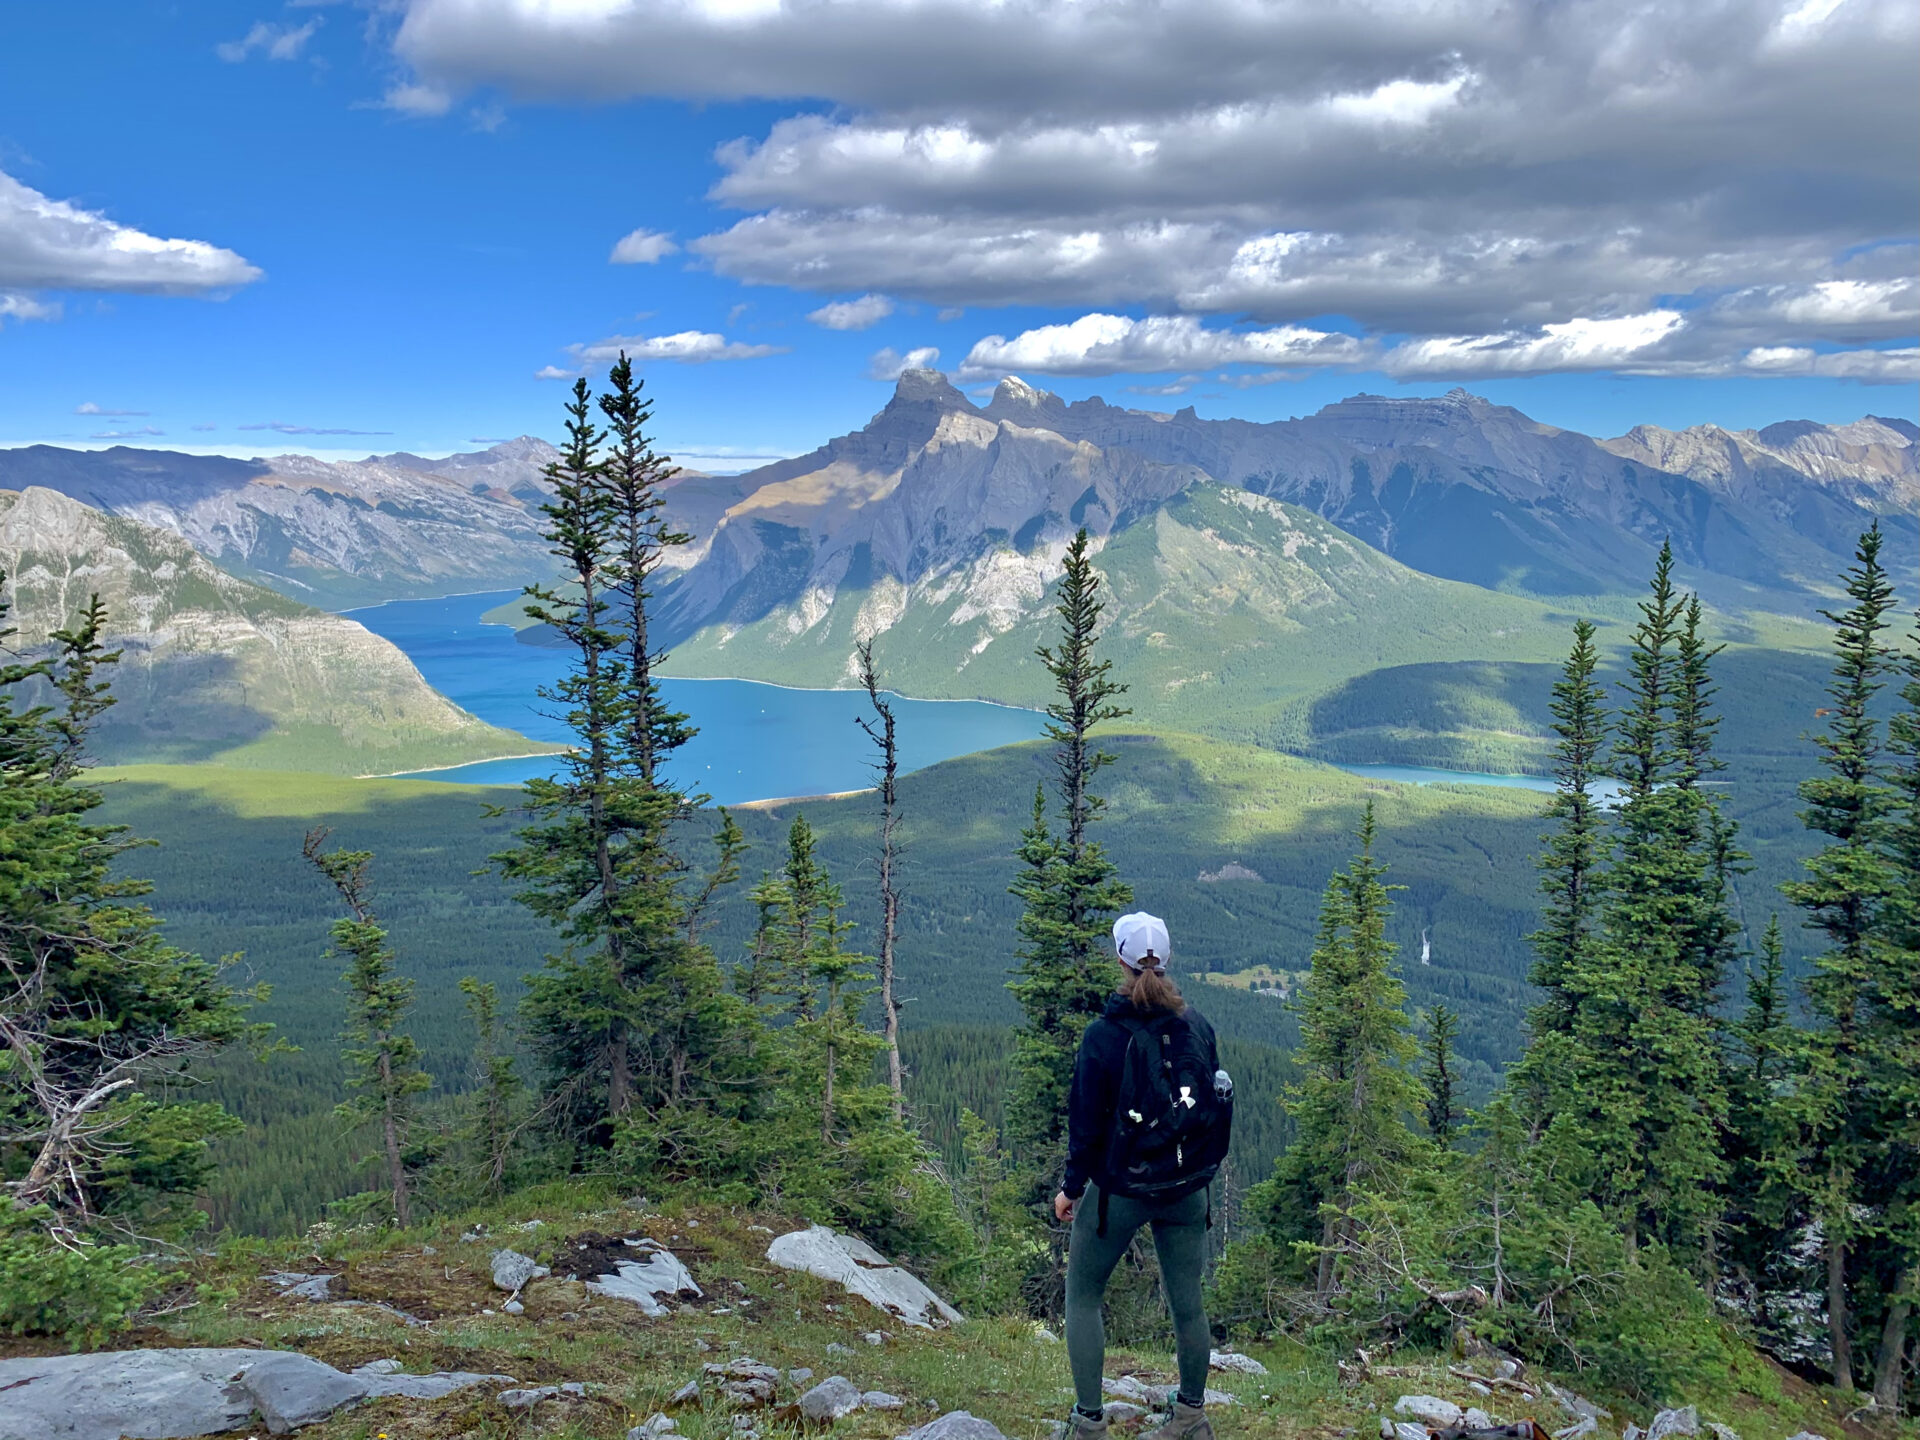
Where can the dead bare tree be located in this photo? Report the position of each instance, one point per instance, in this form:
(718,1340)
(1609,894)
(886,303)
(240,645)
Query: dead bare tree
(887,771)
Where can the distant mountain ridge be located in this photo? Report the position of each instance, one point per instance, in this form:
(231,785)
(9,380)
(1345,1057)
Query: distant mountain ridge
(937,495)
(217,669)
(335,534)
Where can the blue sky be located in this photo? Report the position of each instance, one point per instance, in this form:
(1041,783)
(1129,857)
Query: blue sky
(400,215)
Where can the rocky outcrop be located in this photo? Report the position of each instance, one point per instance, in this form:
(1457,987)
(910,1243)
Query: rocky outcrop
(177,1394)
(215,667)
(850,1262)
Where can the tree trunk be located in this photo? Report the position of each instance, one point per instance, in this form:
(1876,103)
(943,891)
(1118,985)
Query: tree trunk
(1837,1313)
(390,1127)
(889,1010)
(826,1105)
(1891,1360)
(619,1078)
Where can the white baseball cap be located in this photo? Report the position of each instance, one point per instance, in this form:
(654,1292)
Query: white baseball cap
(1140,940)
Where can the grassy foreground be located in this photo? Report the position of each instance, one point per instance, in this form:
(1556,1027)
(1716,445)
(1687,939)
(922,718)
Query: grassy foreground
(997,1368)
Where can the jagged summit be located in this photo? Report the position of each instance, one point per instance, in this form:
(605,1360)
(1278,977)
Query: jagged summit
(921,387)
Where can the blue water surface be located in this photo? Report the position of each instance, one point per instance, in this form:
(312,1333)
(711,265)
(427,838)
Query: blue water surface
(756,741)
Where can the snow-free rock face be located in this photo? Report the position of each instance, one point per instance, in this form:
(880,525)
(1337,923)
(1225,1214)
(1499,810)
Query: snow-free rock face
(212,664)
(178,1394)
(661,1277)
(849,1261)
(329,533)
(938,499)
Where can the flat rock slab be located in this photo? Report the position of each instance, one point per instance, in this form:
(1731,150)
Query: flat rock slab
(176,1394)
(1233,1360)
(850,1262)
(1429,1410)
(1132,1387)
(645,1284)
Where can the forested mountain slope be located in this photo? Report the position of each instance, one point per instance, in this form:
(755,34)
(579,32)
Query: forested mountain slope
(217,669)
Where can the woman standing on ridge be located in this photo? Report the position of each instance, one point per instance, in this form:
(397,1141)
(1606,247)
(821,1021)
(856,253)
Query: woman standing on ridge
(1148,1120)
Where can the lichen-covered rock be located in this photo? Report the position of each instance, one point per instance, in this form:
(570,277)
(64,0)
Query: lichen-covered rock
(745,1384)
(1668,1423)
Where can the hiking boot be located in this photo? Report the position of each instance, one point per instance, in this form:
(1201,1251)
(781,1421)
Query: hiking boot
(1187,1422)
(1084,1427)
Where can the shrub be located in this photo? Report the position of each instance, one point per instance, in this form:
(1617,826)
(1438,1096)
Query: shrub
(80,1292)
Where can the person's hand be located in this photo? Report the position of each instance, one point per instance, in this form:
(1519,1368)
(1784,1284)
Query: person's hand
(1062,1207)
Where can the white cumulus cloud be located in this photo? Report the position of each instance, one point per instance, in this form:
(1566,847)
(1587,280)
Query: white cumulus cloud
(1573,345)
(642,247)
(889,364)
(860,314)
(686,347)
(1101,344)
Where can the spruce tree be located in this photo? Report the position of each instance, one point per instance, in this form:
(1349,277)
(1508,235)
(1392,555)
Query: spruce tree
(631,1020)
(1575,854)
(1766,1145)
(1643,1046)
(1352,1111)
(496,1087)
(1068,886)
(1845,895)
(103,1025)
(384,1060)
(1443,1114)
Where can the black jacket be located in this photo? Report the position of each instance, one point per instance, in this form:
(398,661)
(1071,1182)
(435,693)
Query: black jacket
(1096,1079)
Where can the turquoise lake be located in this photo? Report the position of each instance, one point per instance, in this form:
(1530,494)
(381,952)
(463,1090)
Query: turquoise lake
(756,742)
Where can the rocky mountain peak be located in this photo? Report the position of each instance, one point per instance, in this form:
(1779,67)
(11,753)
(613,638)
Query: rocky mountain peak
(928,387)
(1014,399)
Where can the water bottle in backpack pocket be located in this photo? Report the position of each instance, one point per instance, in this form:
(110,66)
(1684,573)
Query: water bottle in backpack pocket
(1173,1115)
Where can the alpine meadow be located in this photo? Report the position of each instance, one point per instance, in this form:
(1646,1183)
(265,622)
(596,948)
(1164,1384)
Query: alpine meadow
(1347,865)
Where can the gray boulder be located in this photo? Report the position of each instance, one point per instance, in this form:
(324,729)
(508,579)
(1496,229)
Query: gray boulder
(1722,1432)
(385,1377)
(303,1287)
(834,1397)
(745,1383)
(881,1400)
(653,1427)
(1477,1419)
(1233,1360)
(1674,1422)
(956,1425)
(1585,1425)
(1428,1410)
(1118,1412)
(512,1271)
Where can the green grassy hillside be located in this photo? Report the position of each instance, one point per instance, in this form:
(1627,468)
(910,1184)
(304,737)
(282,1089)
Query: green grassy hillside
(214,669)
(1227,613)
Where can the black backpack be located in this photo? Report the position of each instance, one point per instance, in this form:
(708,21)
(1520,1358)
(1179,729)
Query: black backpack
(1171,1124)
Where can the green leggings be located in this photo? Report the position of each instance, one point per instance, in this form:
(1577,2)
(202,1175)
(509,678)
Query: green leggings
(1180,1240)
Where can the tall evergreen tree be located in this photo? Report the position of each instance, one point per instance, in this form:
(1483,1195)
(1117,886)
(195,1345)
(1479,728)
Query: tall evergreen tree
(1644,1054)
(385,1061)
(631,1018)
(1443,1113)
(103,1025)
(1352,1110)
(1766,1131)
(1068,886)
(1848,885)
(1575,854)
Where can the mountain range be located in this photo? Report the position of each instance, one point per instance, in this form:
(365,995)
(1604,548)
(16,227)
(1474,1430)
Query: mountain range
(215,668)
(1251,566)
(332,534)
